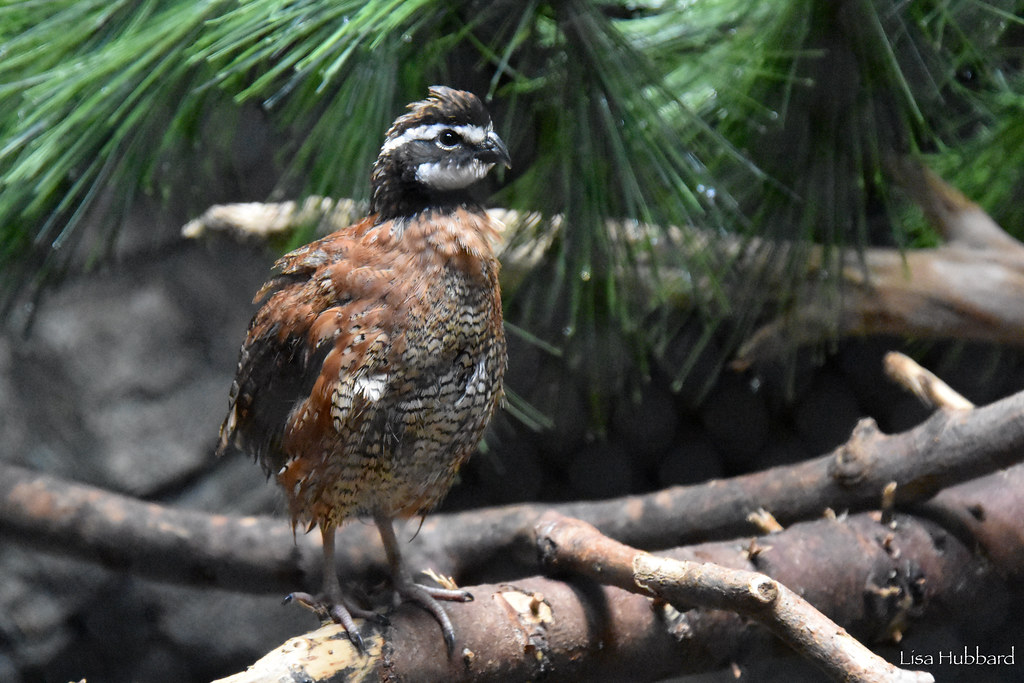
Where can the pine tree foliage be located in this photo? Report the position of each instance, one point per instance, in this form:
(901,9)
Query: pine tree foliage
(761,119)
(838,91)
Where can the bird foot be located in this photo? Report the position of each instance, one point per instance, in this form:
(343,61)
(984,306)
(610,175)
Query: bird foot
(427,597)
(338,612)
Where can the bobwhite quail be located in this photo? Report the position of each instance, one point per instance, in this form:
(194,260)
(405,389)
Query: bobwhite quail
(376,360)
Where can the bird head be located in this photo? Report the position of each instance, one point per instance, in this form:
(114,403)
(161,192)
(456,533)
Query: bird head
(434,153)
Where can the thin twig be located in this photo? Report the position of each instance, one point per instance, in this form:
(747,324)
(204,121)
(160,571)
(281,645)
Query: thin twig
(764,521)
(932,391)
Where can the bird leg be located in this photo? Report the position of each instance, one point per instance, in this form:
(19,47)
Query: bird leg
(425,596)
(331,605)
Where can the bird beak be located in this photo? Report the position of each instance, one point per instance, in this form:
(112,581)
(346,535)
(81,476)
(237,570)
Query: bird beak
(494,151)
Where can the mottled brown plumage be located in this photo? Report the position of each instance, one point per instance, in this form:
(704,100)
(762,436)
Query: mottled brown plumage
(375,362)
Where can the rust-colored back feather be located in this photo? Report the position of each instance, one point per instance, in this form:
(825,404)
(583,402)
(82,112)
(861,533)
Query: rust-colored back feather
(369,373)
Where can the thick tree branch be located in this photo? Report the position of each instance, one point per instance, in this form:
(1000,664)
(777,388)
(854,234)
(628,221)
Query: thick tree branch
(951,291)
(254,220)
(261,554)
(969,288)
(569,544)
(868,575)
(155,541)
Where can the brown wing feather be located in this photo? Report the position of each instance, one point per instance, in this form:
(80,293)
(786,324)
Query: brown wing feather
(287,342)
(370,371)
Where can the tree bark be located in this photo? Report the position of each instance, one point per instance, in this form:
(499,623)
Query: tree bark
(880,576)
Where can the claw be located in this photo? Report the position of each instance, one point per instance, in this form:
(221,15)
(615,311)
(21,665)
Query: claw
(318,607)
(427,598)
(449,641)
(340,615)
(304,599)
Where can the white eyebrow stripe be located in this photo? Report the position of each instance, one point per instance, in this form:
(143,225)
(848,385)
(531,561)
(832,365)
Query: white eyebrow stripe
(472,134)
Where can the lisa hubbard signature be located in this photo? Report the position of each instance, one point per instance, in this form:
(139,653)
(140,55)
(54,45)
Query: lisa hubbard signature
(954,657)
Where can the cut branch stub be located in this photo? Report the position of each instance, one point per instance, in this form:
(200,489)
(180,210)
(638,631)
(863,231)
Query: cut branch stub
(854,460)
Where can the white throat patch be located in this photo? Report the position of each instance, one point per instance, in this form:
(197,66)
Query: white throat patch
(439,175)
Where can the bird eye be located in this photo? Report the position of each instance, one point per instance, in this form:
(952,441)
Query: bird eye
(448,138)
